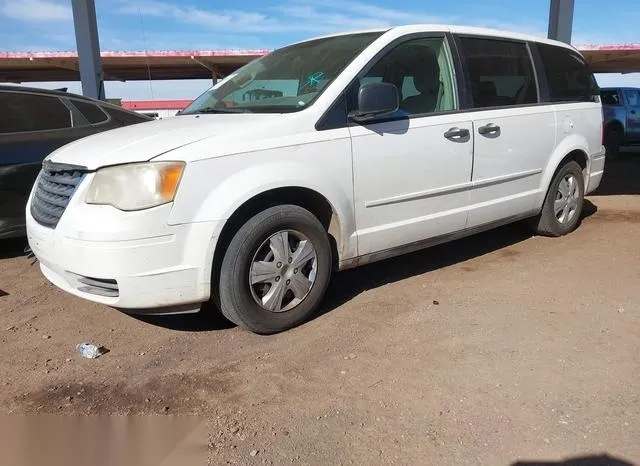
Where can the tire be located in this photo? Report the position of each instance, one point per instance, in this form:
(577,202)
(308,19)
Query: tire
(551,223)
(257,253)
(612,142)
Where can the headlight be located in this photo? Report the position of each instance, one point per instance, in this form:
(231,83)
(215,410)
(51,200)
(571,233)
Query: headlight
(136,186)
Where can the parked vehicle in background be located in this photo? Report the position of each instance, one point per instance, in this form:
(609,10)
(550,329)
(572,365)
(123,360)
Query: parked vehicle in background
(621,109)
(34,123)
(361,146)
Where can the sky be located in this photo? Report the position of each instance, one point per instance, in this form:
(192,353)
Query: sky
(47,25)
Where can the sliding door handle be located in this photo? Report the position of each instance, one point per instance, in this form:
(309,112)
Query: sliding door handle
(457,133)
(491,128)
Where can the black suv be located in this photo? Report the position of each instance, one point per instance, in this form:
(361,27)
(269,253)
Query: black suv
(34,123)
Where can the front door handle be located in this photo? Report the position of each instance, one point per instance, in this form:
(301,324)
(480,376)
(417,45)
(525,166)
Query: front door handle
(457,133)
(491,128)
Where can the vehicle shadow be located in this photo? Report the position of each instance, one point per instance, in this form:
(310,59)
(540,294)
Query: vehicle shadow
(602,460)
(351,283)
(208,319)
(12,248)
(348,284)
(621,175)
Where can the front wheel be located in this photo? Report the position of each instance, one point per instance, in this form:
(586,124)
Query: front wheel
(275,271)
(563,203)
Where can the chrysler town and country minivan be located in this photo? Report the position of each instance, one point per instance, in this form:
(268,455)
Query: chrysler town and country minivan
(323,155)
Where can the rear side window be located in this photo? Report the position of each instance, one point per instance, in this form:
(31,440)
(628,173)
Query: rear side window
(91,112)
(500,72)
(29,112)
(610,97)
(568,75)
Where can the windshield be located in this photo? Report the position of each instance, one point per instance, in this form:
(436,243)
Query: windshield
(286,80)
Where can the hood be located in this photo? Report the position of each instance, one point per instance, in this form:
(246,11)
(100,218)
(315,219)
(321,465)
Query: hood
(144,141)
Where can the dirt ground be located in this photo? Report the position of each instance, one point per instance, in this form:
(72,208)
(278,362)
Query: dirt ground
(495,349)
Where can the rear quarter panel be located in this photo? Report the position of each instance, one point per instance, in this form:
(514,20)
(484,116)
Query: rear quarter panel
(615,114)
(578,127)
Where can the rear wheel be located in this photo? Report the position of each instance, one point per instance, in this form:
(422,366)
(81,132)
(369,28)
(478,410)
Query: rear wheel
(563,203)
(276,270)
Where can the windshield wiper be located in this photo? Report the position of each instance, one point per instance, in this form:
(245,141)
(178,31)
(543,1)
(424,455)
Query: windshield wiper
(220,110)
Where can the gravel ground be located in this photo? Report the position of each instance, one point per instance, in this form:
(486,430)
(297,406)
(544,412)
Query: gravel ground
(499,348)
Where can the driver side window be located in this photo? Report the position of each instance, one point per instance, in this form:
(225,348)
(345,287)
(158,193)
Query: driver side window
(420,69)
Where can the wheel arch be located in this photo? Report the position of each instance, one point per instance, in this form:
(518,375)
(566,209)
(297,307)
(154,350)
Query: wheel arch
(572,148)
(615,124)
(304,197)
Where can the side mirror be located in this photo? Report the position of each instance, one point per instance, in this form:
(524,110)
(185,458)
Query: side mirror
(376,99)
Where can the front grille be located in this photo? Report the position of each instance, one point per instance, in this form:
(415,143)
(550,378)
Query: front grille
(56,185)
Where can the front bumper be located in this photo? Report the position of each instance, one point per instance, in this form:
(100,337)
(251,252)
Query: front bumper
(133,261)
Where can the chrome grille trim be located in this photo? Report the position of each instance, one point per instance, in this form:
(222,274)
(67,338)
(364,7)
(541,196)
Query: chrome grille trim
(54,188)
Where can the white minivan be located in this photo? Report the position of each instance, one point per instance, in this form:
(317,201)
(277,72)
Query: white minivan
(321,156)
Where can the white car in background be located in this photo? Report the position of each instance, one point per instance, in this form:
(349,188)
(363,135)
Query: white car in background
(321,156)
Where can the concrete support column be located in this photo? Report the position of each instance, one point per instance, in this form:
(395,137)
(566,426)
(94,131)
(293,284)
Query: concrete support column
(86,26)
(561,20)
